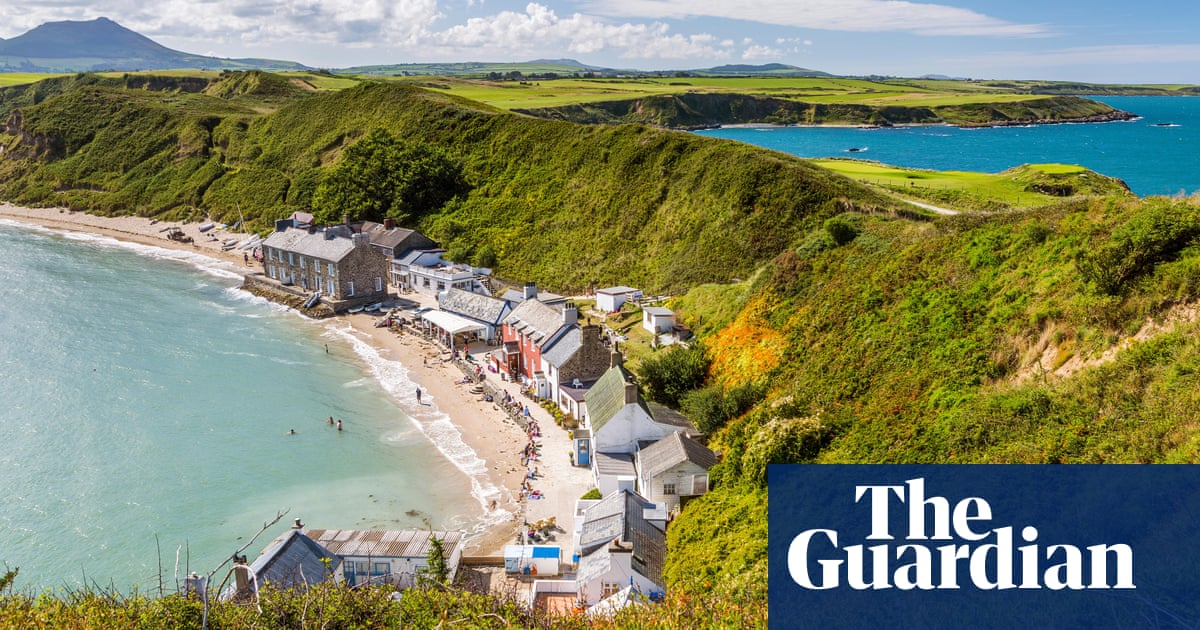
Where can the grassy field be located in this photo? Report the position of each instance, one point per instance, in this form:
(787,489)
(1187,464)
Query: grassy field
(1012,188)
(534,94)
(22,78)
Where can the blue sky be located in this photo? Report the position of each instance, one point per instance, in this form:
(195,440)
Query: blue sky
(1102,41)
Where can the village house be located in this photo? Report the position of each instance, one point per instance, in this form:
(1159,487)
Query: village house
(622,542)
(332,261)
(673,469)
(299,558)
(611,299)
(483,312)
(572,363)
(658,320)
(394,242)
(426,272)
(531,328)
(619,423)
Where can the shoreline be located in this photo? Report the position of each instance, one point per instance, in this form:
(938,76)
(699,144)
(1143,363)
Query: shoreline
(447,407)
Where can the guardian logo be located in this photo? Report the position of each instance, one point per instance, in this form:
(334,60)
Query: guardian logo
(970,550)
(873,546)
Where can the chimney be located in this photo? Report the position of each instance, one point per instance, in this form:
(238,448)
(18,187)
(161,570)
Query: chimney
(346,220)
(570,314)
(361,240)
(631,393)
(614,357)
(530,291)
(298,524)
(389,224)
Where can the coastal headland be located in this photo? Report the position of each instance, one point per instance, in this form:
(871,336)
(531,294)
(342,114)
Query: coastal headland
(496,438)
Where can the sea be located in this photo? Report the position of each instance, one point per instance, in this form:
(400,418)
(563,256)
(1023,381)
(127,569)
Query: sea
(1155,154)
(146,410)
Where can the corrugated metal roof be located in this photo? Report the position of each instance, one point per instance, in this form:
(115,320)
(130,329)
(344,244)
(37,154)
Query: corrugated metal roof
(672,451)
(408,543)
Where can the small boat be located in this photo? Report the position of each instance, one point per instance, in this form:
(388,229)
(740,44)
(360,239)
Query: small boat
(356,310)
(856,149)
(204,227)
(1167,124)
(312,300)
(374,307)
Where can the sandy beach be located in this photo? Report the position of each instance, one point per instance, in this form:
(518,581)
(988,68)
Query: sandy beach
(485,428)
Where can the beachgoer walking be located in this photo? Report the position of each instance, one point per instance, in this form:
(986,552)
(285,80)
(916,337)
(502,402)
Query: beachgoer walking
(418,394)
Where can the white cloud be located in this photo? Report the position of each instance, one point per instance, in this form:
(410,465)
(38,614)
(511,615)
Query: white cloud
(833,15)
(756,52)
(539,28)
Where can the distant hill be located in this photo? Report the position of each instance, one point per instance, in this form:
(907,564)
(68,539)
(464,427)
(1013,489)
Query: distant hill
(771,69)
(542,67)
(102,44)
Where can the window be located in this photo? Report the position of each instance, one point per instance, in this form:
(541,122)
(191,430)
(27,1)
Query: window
(301,262)
(271,270)
(331,270)
(609,588)
(381,568)
(668,488)
(378,284)
(290,260)
(317,279)
(350,289)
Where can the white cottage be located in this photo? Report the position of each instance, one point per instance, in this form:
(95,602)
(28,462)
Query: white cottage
(674,467)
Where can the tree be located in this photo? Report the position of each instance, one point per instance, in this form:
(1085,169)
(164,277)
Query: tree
(668,375)
(437,569)
(379,177)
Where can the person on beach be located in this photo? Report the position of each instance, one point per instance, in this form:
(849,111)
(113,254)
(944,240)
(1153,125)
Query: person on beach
(418,395)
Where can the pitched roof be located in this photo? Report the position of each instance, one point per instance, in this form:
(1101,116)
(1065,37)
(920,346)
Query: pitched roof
(312,244)
(673,450)
(562,349)
(397,239)
(606,398)
(293,559)
(474,305)
(621,516)
(665,415)
(408,543)
(535,320)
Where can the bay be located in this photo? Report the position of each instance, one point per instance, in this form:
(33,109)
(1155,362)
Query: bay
(145,409)
(1155,154)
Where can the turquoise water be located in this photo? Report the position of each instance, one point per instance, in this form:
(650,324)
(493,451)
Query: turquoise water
(1151,159)
(146,403)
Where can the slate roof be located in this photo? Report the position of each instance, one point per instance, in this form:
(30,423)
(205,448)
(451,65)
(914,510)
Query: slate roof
(293,559)
(535,320)
(606,398)
(517,296)
(397,239)
(665,415)
(310,244)
(474,305)
(614,464)
(561,350)
(672,451)
(620,516)
(408,543)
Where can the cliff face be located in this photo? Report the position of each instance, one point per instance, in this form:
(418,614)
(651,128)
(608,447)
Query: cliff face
(697,110)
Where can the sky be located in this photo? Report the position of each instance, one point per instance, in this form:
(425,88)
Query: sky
(1097,41)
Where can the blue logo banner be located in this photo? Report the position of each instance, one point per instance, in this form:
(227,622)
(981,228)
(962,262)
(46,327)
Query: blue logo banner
(984,546)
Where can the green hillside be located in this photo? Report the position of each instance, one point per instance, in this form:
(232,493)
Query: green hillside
(568,205)
(835,323)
